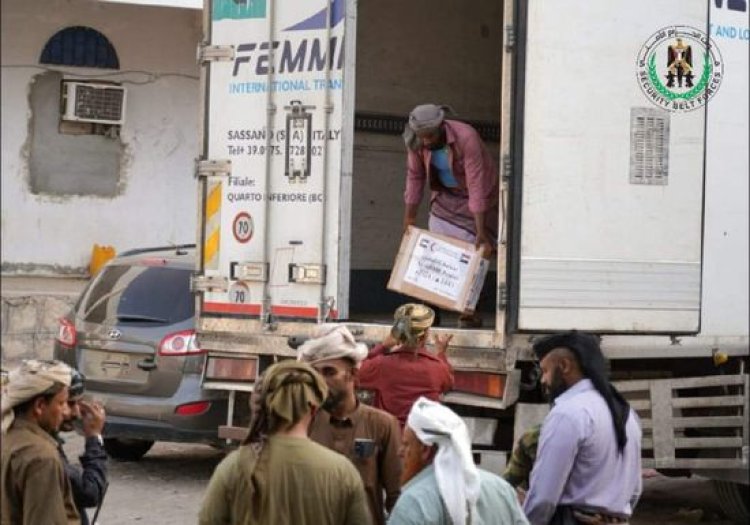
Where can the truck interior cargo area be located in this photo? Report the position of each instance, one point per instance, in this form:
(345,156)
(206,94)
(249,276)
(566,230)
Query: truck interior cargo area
(407,55)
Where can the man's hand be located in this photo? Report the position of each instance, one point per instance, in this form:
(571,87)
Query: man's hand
(93,417)
(483,242)
(442,342)
(410,215)
(389,341)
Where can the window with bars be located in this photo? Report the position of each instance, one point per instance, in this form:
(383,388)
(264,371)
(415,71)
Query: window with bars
(80,46)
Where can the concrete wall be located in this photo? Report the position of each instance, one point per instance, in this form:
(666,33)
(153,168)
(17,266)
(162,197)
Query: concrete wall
(47,237)
(67,163)
(31,308)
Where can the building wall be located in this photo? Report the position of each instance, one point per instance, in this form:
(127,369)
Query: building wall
(48,234)
(154,204)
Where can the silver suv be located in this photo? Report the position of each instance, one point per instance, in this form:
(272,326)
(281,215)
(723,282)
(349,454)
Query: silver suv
(132,335)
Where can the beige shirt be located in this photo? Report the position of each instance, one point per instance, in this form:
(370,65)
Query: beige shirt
(35,489)
(381,469)
(295,482)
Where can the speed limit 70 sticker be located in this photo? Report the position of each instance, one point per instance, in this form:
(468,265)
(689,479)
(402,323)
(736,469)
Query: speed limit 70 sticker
(239,293)
(242,227)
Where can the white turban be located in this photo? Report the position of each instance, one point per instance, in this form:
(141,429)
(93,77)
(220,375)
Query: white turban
(332,341)
(457,476)
(29,380)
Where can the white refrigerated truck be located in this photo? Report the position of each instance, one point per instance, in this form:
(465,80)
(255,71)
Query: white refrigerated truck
(621,134)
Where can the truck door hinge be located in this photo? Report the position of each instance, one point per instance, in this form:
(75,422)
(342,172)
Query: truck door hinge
(249,271)
(208,283)
(209,53)
(265,315)
(298,147)
(507,167)
(213,168)
(502,296)
(510,38)
(307,273)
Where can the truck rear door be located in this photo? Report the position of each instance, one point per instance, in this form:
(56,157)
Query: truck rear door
(610,146)
(272,160)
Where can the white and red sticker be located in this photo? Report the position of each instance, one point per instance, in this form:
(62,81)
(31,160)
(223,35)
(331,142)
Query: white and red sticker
(239,293)
(242,227)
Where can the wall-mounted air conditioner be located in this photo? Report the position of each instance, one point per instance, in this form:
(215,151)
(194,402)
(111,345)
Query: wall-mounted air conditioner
(89,102)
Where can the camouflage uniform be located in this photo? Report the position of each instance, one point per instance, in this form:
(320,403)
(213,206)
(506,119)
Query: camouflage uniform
(518,470)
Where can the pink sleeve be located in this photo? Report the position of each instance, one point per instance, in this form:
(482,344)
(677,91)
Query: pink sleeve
(415,178)
(479,176)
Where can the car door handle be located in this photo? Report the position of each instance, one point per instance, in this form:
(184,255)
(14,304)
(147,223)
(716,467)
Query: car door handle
(146,364)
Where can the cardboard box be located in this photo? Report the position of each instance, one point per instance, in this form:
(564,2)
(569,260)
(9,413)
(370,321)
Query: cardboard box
(439,270)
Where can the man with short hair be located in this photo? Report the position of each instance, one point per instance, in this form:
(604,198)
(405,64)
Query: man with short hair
(279,475)
(89,482)
(442,486)
(588,463)
(401,369)
(369,437)
(35,489)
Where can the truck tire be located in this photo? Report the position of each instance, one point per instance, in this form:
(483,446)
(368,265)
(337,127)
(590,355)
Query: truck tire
(734,499)
(127,449)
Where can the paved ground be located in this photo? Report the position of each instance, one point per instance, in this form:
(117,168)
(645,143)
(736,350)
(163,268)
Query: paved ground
(166,487)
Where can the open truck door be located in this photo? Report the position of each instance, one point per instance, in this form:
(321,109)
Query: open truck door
(272,164)
(610,142)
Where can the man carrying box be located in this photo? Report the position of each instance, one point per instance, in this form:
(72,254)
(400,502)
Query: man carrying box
(463,179)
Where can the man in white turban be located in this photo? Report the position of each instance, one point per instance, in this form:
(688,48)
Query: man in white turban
(369,437)
(442,486)
(35,487)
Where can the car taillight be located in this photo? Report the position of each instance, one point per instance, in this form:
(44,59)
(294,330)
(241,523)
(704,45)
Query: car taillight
(193,409)
(180,343)
(66,333)
(480,383)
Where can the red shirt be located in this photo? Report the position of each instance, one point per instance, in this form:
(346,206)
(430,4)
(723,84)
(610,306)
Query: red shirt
(398,378)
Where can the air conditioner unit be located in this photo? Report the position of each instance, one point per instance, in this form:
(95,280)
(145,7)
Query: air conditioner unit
(89,102)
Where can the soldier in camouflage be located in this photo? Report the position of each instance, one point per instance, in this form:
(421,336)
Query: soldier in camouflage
(518,470)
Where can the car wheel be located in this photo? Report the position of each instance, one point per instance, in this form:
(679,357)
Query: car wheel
(127,449)
(734,500)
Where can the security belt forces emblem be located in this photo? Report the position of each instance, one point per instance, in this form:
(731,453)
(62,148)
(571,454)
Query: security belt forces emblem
(679,68)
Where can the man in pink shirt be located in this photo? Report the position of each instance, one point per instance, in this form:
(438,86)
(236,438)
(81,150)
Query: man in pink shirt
(450,156)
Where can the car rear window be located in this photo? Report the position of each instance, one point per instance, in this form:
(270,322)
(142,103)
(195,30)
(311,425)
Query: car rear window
(140,294)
